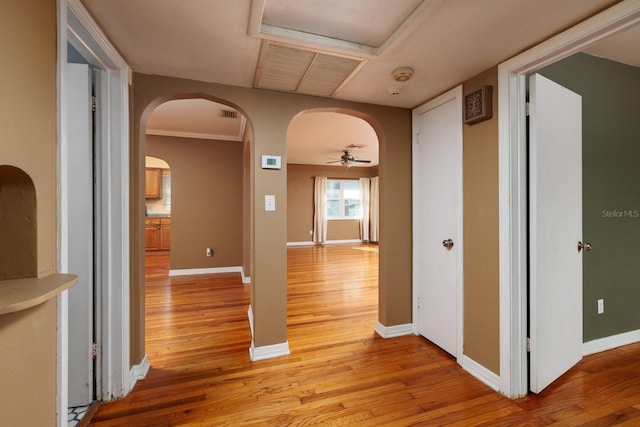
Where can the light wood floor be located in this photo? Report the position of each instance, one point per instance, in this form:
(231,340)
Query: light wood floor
(339,372)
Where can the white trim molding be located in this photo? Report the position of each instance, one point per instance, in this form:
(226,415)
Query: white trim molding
(268,351)
(257,28)
(480,372)
(194,135)
(250,316)
(341,242)
(309,243)
(246,280)
(608,343)
(394,331)
(265,351)
(139,372)
(213,270)
(512,178)
(77,27)
(328,242)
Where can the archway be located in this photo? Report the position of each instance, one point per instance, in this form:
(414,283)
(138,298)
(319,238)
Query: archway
(204,142)
(332,223)
(157,211)
(270,114)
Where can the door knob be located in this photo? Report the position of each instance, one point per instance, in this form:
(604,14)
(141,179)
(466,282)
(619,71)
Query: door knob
(447,243)
(586,246)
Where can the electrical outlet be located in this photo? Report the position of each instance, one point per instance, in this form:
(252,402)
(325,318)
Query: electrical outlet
(600,306)
(209,252)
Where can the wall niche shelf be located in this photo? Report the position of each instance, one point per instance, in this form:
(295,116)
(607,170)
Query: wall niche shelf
(21,294)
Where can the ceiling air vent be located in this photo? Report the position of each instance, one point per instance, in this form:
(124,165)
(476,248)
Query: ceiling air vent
(292,69)
(230,114)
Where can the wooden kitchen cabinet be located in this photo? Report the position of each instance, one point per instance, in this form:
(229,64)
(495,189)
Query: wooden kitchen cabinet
(152,233)
(157,233)
(165,233)
(153,183)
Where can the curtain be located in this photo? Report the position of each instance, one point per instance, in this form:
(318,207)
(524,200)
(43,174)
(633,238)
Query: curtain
(364,205)
(374,209)
(319,210)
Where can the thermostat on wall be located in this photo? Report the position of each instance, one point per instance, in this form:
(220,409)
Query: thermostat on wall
(271,162)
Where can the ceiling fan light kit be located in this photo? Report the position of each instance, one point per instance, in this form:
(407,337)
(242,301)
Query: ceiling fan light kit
(347,159)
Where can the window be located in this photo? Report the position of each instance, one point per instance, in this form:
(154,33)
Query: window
(166,189)
(343,199)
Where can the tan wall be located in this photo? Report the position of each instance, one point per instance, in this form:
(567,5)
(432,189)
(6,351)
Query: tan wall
(18,228)
(206,200)
(343,230)
(300,202)
(481,275)
(270,114)
(28,141)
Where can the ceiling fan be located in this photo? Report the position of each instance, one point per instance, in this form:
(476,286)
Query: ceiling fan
(347,159)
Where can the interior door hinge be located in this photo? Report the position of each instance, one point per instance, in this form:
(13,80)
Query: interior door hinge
(93,104)
(418,138)
(93,350)
(528,344)
(418,302)
(527,109)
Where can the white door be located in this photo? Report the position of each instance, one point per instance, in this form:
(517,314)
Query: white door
(555,209)
(79,189)
(438,220)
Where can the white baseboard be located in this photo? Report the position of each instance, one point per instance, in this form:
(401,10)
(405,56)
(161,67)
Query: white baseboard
(309,243)
(268,351)
(608,343)
(480,372)
(215,270)
(246,280)
(394,331)
(250,316)
(328,242)
(340,242)
(139,372)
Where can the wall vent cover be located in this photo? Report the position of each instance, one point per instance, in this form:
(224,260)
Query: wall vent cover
(230,114)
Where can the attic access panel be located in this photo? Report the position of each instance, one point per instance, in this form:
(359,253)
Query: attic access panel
(292,69)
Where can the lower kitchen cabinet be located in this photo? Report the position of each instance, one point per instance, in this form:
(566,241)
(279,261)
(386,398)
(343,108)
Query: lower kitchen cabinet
(157,233)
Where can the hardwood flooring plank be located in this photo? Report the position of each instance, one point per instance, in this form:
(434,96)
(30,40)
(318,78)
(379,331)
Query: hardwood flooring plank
(340,372)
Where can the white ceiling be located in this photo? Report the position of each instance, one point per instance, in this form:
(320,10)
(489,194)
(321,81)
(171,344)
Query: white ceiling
(444,41)
(623,47)
(319,137)
(196,118)
(335,20)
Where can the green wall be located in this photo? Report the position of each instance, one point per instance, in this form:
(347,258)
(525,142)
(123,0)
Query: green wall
(611,188)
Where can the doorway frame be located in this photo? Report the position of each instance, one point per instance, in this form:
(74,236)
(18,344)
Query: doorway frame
(512,179)
(76,26)
(452,95)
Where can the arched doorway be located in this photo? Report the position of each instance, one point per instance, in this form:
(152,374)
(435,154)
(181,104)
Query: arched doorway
(203,142)
(332,226)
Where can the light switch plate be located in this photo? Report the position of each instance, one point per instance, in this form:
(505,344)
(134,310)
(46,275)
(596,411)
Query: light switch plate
(269,202)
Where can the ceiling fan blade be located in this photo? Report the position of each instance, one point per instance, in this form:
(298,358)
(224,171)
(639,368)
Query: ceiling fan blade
(361,161)
(334,161)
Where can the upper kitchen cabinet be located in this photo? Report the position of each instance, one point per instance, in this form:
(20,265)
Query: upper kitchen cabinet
(153,183)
